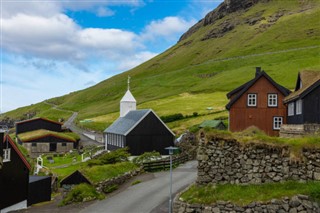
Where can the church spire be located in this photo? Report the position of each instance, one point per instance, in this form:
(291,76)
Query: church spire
(128,102)
(128,82)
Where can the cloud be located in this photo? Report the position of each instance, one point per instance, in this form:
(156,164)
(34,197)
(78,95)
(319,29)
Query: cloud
(135,60)
(167,28)
(104,11)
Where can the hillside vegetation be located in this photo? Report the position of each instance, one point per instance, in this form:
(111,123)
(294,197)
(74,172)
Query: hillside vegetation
(283,37)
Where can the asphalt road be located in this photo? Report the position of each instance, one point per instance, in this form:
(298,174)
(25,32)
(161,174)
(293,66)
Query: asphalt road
(149,196)
(84,140)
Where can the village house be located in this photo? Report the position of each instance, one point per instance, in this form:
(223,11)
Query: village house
(303,106)
(41,135)
(258,102)
(14,177)
(139,130)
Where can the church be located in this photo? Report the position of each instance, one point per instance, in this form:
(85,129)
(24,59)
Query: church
(139,130)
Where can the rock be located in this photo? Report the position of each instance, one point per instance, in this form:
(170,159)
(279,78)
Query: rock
(294,202)
(316,175)
(215,210)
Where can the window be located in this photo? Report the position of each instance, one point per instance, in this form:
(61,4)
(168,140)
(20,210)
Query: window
(272,100)
(290,109)
(64,144)
(277,122)
(299,107)
(252,99)
(6,155)
(34,144)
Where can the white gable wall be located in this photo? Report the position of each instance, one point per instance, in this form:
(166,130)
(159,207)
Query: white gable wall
(127,106)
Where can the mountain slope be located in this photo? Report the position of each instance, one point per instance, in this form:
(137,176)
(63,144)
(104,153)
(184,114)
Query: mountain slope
(217,54)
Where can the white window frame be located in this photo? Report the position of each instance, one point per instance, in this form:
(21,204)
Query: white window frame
(252,100)
(272,100)
(291,109)
(277,122)
(6,155)
(299,107)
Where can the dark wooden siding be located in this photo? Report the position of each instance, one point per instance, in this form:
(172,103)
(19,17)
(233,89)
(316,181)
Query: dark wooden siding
(39,191)
(310,109)
(149,135)
(14,179)
(261,116)
(37,124)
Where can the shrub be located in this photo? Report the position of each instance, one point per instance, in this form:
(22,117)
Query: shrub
(171,118)
(119,155)
(135,182)
(147,157)
(81,193)
(110,188)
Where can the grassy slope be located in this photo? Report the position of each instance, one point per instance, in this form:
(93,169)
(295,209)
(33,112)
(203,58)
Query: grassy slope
(178,70)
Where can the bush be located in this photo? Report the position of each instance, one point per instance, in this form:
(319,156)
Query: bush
(81,193)
(171,118)
(110,188)
(147,157)
(119,155)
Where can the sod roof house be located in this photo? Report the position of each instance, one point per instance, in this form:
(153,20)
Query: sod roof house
(42,135)
(213,124)
(304,103)
(14,177)
(139,130)
(258,102)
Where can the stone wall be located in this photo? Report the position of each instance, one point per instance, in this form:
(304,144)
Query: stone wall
(117,180)
(298,203)
(299,130)
(228,161)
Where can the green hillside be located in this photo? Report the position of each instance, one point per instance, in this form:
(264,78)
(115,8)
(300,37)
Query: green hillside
(283,37)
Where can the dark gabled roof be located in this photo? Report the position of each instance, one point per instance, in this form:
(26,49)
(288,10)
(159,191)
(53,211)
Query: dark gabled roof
(8,139)
(309,81)
(123,125)
(243,88)
(33,119)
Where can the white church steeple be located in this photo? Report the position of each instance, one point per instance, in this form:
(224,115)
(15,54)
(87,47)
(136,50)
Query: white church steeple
(127,102)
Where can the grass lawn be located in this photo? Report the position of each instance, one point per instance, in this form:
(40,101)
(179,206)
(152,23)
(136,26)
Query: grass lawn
(100,173)
(65,171)
(61,160)
(245,194)
(185,103)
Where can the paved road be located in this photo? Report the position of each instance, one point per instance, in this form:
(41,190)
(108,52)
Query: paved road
(83,139)
(149,196)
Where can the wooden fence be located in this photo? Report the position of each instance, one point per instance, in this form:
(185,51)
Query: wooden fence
(164,164)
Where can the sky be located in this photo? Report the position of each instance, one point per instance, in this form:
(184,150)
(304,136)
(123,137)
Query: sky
(52,48)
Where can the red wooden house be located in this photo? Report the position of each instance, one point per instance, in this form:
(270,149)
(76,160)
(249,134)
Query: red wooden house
(258,103)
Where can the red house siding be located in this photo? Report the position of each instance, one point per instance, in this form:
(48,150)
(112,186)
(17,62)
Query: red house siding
(261,116)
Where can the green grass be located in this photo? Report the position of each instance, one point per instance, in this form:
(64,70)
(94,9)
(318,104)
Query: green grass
(189,78)
(65,171)
(28,136)
(61,160)
(81,193)
(245,194)
(104,172)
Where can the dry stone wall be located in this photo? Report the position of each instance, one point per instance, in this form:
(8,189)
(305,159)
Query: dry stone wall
(228,161)
(299,203)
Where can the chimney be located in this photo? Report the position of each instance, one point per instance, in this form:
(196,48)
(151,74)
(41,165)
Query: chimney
(258,71)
